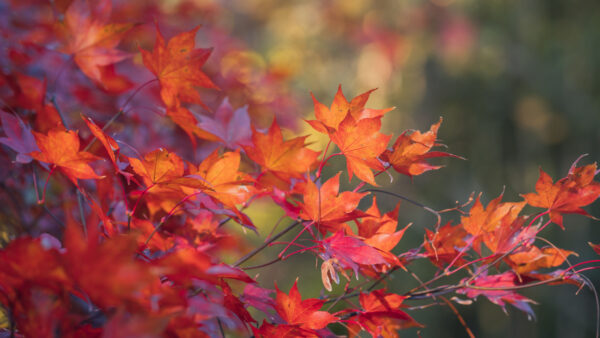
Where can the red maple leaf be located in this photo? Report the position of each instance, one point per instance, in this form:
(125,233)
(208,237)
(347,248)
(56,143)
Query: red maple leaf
(304,314)
(381,315)
(341,251)
(497,288)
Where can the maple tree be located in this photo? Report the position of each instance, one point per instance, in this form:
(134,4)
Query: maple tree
(136,228)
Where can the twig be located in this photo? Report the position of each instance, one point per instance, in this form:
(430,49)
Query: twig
(265,244)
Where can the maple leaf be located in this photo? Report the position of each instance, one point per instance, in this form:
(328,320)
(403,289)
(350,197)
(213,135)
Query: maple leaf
(303,313)
(284,158)
(110,145)
(232,127)
(259,298)
(177,65)
(61,148)
(410,152)
(445,245)
(327,207)
(568,194)
(504,282)
(19,137)
(361,143)
(534,258)
(92,40)
(267,330)
(505,237)
(226,184)
(347,252)
(329,119)
(379,230)
(160,167)
(381,315)
(482,221)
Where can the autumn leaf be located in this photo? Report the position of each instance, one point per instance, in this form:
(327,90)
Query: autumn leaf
(504,294)
(380,315)
(226,184)
(177,65)
(284,158)
(350,252)
(92,40)
(535,258)
(61,148)
(445,245)
(231,126)
(329,119)
(379,231)
(568,194)
(482,221)
(303,313)
(108,142)
(158,166)
(410,152)
(327,207)
(361,143)
(267,330)
(18,137)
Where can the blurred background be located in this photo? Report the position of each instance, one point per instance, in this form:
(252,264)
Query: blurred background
(517,83)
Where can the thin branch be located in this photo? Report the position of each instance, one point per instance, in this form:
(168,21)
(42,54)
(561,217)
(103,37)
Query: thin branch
(266,244)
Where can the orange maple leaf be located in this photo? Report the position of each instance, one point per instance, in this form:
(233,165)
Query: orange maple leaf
(568,194)
(284,158)
(329,119)
(482,221)
(226,184)
(61,148)
(361,143)
(446,244)
(410,152)
(92,40)
(379,230)
(177,65)
(327,207)
(158,166)
(534,258)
